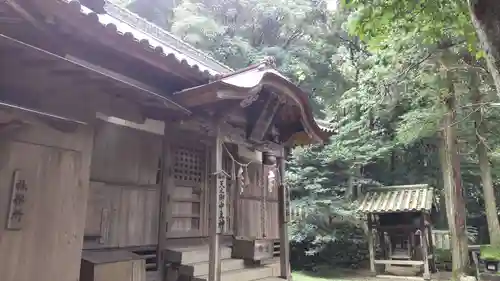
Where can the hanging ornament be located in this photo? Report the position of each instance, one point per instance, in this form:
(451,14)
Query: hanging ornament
(246,177)
(271,180)
(258,179)
(241,179)
(233,172)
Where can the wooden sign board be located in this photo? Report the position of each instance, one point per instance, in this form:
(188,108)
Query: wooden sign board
(19,192)
(221,203)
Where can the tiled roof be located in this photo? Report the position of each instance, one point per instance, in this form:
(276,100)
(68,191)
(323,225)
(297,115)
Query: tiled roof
(139,31)
(167,39)
(397,199)
(325,126)
(249,81)
(161,47)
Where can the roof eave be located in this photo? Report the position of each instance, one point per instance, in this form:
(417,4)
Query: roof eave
(123,37)
(251,80)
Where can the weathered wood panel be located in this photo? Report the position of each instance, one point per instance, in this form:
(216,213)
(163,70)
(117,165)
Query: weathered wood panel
(132,216)
(125,155)
(250,222)
(55,166)
(124,194)
(255,221)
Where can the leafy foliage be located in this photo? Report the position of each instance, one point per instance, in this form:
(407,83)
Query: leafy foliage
(379,72)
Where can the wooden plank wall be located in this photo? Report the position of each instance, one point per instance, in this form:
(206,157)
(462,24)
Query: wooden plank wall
(55,166)
(249,207)
(124,194)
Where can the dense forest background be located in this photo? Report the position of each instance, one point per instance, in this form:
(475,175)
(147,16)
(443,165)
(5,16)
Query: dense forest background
(404,87)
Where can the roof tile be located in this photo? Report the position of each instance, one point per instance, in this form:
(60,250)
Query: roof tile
(119,21)
(395,199)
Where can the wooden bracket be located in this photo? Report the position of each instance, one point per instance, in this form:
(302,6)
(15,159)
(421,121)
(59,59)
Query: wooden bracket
(266,116)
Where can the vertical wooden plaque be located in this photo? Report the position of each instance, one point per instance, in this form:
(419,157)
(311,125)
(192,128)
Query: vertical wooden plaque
(19,191)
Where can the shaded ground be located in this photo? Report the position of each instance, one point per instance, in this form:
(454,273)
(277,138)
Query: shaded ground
(326,274)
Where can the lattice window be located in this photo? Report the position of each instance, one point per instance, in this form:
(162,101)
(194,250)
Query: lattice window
(188,164)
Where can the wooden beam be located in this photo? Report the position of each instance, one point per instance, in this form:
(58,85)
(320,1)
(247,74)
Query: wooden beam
(82,65)
(197,99)
(127,81)
(397,227)
(228,133)
(398,262)
(27,16)
(64,96)
(10,20)
(266,116)
(41,114)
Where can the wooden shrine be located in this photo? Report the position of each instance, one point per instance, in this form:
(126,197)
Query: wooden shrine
(399,220)
(117,136)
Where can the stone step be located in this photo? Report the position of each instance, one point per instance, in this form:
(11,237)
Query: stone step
(246,274)
(201,268)
(274,264)
(193,255)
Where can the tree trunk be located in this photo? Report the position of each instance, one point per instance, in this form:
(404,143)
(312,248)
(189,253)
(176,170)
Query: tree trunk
(486,20)
(350,187)
(455,207)
(485,166)
(353,186)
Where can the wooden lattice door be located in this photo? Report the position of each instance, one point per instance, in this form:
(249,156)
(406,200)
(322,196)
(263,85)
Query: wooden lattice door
(187,190)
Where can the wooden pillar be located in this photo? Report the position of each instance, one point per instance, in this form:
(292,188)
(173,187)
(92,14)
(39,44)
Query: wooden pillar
(383,245)
(412,244)
(283,217)
(163,218)
(425,252)
(390,244)
(214,227)
(371,244)
(217,220)
(431,244)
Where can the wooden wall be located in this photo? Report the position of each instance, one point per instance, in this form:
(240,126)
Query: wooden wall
(124,193)
(55,167)
(187,166)
(249,207)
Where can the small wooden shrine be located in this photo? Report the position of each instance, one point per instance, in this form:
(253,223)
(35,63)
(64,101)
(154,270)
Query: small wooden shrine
(399,223)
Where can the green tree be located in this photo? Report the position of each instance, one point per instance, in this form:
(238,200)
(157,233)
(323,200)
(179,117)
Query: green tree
(391,77)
